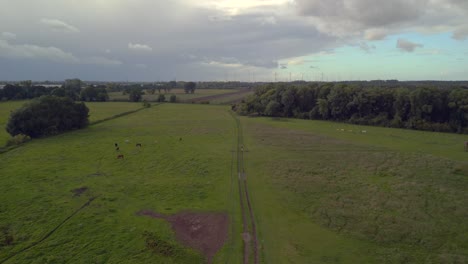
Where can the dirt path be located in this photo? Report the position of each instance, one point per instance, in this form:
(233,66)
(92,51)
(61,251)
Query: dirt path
(249,234)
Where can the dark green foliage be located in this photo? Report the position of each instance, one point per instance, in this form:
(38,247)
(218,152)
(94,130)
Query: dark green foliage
(173,98)
(158,245)
(189,87)
(47,115)
(135,94)
(94,93)
(146,104)
(423,108)
(161,98)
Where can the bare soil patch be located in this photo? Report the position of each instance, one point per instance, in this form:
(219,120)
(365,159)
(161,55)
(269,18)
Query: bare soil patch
(205,232)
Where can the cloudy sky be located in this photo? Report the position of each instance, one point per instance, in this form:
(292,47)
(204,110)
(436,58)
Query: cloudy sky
(249,40)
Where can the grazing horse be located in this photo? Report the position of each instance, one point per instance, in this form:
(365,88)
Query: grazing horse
(138,144)
(120,156)
(116,145)
(117,148)
(466,146)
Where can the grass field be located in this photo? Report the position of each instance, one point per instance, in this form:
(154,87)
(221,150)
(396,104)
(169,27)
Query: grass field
(179,93)
(323,195)
(321,192)
(97,111)
(167,175)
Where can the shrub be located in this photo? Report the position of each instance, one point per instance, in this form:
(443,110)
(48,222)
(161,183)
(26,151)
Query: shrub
(161,98)
(47,115)
(146,104)
(173,98)
(18,140)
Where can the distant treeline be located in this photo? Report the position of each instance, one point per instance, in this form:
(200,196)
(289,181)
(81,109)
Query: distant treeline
(401,105)
(73,89)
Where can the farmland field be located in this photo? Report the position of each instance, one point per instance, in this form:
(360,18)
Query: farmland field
(179,93)
(320,192)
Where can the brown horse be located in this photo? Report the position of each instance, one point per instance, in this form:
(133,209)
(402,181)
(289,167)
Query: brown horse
(138,145)
(120,156)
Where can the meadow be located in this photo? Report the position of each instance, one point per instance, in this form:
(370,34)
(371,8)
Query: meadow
(97,112)
(328,192)
(321,192)
(184,164)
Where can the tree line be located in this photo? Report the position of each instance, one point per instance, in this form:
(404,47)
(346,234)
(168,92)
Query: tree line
(401,106)
(71,88)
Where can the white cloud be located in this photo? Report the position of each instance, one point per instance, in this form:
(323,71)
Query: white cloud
(375,34)
(27,51)
(59,26)
(8,35)
(139,47)
(35,52)
(269,20)
(407,46)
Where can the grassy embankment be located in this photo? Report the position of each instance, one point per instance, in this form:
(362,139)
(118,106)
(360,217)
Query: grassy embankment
(166,175)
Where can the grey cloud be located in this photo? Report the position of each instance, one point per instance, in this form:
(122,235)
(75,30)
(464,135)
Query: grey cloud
(407,46)
(58,25)
(366,47)
(8,36)
(460,33)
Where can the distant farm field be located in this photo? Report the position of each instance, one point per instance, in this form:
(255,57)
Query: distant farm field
(320,192)
(179,93)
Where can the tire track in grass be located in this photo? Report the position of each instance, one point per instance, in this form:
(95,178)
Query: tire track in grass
(249,228)
(50,232)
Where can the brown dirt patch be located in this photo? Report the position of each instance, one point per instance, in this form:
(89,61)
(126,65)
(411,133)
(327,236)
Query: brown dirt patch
(79,191)
(205,232)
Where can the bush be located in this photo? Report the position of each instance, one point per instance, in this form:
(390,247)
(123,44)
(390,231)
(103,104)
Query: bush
(47,115)
(18,140)
(161,98)
(173,98)
(146,104)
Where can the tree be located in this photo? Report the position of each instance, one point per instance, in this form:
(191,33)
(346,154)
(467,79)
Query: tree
(72,88)
(173,98)
(161,98)
(189,87)
(47,115)
(135,95)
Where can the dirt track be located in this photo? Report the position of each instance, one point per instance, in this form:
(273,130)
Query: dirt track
(248,221)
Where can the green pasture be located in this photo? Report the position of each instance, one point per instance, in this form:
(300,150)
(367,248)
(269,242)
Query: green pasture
(167,175)
(97,111)
(179,93)
(323,195)
(322,192)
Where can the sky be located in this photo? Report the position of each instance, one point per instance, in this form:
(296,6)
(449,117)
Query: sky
(233,40)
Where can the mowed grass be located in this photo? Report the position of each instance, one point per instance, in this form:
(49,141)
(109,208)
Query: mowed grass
(167,175)
(97,111)
(179,93)
(323,195)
